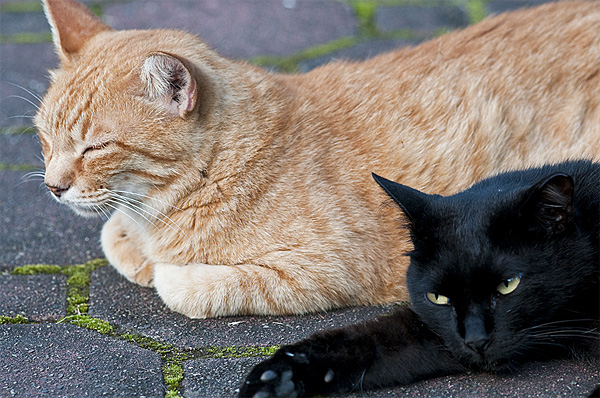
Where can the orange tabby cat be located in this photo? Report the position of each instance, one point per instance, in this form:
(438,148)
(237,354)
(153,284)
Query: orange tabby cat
(239,191)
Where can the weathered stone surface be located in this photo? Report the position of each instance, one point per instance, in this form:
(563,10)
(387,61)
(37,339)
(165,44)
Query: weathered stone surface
(423,19)
(120,302)
(260,27)
(23,68)
(37,297)
(50,360)
(359,52)
(21,149)
(215,377)
(35,229)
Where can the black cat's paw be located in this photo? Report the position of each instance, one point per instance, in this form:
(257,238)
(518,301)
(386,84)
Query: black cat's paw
(286,375)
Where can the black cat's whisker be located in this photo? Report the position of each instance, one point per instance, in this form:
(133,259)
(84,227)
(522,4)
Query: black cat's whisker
(563,321)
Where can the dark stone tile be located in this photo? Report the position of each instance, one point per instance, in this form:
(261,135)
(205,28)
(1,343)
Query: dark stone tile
(242,28)
(554,379)
(19,22)
(23,68)
(358,52)
(21,149)
(420,18)
(35,229)
(500,6)
(140,309)
(215,377)
(37,297)
(50,360)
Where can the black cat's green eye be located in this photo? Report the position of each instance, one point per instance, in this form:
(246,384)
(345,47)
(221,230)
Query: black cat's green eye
(438,299)
(509,285)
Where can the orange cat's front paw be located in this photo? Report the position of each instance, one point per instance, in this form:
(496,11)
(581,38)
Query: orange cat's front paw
(144,275)
(122,250)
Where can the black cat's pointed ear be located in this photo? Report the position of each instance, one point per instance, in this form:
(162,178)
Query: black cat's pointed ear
(170,83)
(550,201)
(409,199)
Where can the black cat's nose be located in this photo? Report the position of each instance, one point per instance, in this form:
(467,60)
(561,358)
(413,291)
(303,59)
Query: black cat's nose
(57,190)
(479,344)
(476,337)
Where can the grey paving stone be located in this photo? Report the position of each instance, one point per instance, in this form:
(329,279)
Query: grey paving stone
(50,360)
(21,149)
(37,297)
(420,18)
(215,377)
(358,52)
(242,28)
(19,22)
(35,229)
(23,67)
(499,6)
(132,307)
(551,379)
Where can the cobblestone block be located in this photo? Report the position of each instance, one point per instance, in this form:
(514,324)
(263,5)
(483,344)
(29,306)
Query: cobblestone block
(242,29)
(23,149)
(23,67)
(420,18)
(114,299)
(499,6)
(215,377)
(358,52)
(35,229)
(19,22)
(51,360)
(37,297)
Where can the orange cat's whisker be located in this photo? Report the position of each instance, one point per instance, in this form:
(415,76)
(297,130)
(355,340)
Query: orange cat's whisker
(34,95)
(138,203)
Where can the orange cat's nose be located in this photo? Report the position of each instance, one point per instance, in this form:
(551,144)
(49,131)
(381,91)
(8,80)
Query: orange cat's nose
(57,191)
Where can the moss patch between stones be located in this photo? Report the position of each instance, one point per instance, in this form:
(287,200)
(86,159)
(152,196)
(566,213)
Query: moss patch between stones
(17,320)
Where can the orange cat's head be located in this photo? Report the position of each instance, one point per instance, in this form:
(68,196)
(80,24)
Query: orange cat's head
(121,112)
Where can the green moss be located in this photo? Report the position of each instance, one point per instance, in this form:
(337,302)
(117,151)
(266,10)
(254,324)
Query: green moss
(164,349)
(173,376)
(365,13)
(476,10)
(21,6)
(17,130)
(238,351)
(88,322)
(289,64)
(19,319)
(34,269)
(26,38)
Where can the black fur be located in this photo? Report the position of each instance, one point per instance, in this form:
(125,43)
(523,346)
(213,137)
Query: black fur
(504,272)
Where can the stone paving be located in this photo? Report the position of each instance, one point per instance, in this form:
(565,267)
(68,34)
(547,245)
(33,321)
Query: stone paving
(71,326)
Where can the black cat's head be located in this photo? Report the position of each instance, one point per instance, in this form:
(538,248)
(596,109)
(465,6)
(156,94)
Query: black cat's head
(491,265)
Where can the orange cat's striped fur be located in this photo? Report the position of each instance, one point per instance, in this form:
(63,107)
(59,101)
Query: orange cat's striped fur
(246,192)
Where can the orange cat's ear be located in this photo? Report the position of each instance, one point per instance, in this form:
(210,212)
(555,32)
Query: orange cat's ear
(169,83)
(72,26)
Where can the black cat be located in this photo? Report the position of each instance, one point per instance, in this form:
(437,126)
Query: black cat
(504,272)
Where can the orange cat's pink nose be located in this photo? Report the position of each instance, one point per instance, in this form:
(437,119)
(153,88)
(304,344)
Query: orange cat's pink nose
(57,191)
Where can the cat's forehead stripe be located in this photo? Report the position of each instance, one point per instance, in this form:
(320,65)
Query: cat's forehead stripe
(72,109)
